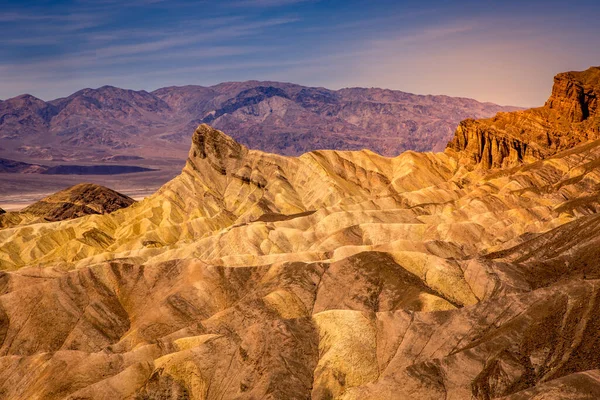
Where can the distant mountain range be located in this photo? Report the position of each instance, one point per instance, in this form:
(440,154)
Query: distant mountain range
(97,124)
(471,273)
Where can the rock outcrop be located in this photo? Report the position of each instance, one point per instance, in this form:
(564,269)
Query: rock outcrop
(335,274)
(569,117)
(576,95)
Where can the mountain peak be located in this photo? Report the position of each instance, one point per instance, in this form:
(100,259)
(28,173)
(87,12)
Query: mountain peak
(26,98)
(215,147)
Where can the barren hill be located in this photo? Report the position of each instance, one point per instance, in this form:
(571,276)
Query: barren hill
(330,275)
(73,202)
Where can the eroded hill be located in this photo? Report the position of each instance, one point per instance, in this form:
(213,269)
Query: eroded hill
(74,202)
(334,274)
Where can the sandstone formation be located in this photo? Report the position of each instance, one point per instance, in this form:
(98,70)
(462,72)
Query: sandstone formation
(570,116)
(73,202)
(335,274)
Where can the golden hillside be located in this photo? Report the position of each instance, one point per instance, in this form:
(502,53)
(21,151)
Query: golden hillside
(331,275)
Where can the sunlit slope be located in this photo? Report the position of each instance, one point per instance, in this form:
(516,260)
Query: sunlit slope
(331,275)
(234,206)
(363,327)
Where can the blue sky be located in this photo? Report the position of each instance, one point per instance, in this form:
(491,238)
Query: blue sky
(501,51)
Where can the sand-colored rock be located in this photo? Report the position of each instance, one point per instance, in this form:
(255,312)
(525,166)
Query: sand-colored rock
(223,207)
(343,275)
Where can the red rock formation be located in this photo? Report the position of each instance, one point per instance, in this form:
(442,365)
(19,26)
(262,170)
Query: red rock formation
(569,117)
(575,94)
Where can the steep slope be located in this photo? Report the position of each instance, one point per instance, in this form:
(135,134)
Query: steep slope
(570,116)
(330,275)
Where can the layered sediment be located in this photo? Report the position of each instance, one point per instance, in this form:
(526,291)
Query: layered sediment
(569,117)
(343,275)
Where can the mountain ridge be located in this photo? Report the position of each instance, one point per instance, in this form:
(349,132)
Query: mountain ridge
(569,117)
(285,118)
(333,274)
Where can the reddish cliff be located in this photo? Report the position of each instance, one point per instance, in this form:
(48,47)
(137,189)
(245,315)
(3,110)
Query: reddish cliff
(569,117)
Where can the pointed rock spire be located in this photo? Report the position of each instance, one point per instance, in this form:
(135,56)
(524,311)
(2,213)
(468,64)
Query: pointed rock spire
(215,147)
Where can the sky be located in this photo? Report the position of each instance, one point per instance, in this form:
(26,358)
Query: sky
(505,51)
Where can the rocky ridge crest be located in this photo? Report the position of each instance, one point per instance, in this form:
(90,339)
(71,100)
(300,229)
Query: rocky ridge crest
(335,274)
(570,116)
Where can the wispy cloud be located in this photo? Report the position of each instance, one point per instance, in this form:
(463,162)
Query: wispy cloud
(30,23)
(50,48)
(148,40)
(23,17)
(148,48)
(422,35)
(268,3)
